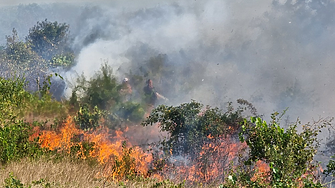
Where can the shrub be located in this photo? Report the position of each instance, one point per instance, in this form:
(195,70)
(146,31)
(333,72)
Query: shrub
(288,155)
(102,90)
(62,60)
(88,120)
(131,111)
(189,126)
(15,143)
(12,96)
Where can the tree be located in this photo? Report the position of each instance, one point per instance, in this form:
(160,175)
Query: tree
(18,55)
(190,125)
(48,38)
(18,58)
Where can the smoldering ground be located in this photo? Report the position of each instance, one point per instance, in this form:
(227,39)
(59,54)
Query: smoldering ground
(275,54)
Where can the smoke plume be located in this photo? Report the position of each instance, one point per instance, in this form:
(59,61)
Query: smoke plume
(274,54)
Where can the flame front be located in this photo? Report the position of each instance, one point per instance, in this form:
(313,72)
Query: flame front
(120,158)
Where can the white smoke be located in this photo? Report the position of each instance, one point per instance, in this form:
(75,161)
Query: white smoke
(276,54)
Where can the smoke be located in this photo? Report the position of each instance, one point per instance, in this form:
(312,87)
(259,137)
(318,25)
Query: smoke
(274,54)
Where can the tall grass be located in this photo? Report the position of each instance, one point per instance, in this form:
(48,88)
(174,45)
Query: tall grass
(69,173)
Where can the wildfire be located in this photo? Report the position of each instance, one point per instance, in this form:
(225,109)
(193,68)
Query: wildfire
(262,171)
(213,159)
(61,141)
(120,158)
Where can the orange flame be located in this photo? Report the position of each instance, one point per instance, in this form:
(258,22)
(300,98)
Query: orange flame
(60,141)
(120,159)
(262,171)
(104,150)
(214,159)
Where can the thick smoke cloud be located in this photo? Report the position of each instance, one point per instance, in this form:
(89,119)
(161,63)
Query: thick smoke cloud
(275,54)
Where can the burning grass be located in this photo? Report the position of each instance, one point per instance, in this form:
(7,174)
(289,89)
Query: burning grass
(210,164)
(120,160)
(111,150)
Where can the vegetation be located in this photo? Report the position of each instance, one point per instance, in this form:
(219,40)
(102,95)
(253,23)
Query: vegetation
(48,38)
(91,138)
(190,125)
(289,154)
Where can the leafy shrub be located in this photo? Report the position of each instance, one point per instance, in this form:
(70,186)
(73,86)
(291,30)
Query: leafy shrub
(88,120)
(288,154)
(14,182)
(102,90)
(125,167)
(18,53)
(131,111)
(41,103)
(330,167)
(15,143)
(189,126)
(167,183)
(12,96)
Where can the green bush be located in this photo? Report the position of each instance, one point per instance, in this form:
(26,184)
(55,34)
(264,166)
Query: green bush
(88,120)
(131,111)
(330,167)
(12,96)
(102,90)
(289,154)
(190,126)
(15,143)
(14,182)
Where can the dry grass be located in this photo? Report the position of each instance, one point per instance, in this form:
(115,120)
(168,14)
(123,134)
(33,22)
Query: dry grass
(64,173)
(67,174)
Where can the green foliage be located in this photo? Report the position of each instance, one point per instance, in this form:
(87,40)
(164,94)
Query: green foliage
(19,58)
(289,154)
(62,60)
(42,182)
(12,96)
(189,126)
(131,111)
(48,38)
(19,53)
(102,90)
(330,167)
(88,120)
(13,182)
(15,143)
(16,102)
(125,167)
